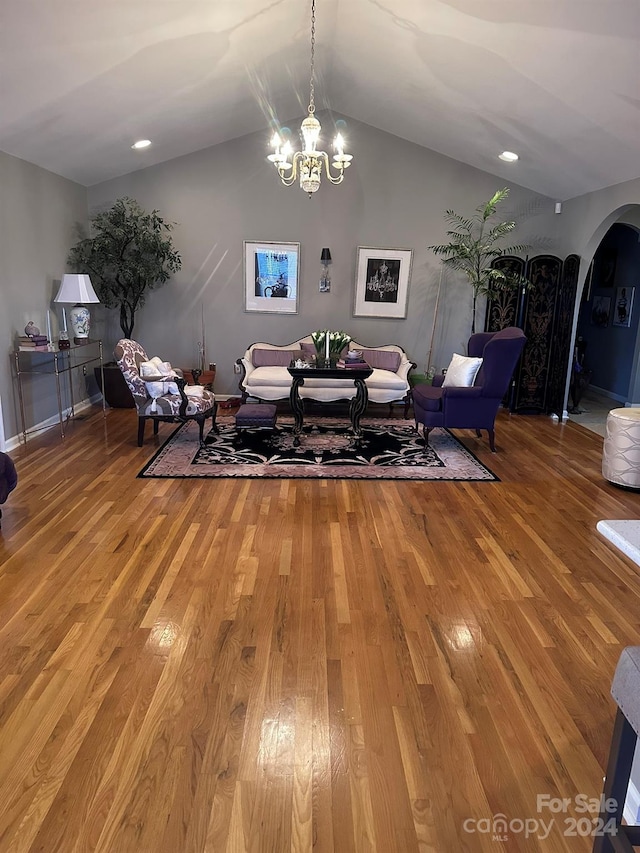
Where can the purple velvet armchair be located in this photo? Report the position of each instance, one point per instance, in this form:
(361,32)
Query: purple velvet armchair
(475,407)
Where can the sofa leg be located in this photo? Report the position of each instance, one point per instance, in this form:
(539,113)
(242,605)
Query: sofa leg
(425,433)
(478,433)
(492,440)
(141,423)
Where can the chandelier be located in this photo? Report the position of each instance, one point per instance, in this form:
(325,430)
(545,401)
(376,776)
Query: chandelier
(307,164)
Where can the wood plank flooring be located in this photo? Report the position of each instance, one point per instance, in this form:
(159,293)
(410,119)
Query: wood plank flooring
(272,666)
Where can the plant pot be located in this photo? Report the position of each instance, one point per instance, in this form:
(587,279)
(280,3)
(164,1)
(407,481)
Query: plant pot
(116,391)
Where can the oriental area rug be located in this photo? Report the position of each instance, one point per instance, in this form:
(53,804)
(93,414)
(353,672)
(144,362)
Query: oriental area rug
(388,449)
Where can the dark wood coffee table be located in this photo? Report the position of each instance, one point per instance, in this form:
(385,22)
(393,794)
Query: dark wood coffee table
(358,403)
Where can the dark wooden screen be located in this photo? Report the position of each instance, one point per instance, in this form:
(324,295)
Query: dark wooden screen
(504,309)
(561,345)
(532,383)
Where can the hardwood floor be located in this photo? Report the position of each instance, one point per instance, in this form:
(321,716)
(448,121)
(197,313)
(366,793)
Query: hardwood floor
(269,665)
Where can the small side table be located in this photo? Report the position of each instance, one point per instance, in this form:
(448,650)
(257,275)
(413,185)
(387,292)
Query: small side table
(206,378)
(55,362)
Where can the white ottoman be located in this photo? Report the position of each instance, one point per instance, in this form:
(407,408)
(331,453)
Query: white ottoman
(621,450)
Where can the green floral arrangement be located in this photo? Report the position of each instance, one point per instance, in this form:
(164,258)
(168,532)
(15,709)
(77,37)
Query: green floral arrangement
(337,343)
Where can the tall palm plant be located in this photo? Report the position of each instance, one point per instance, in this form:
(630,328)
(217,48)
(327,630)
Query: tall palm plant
(473,247)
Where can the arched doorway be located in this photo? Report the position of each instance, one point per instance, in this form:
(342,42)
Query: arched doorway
(607,314)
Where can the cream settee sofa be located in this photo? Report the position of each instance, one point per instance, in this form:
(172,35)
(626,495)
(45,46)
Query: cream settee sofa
(265,375)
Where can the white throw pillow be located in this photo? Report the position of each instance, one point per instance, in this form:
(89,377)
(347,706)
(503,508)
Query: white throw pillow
(462,371)
(157,367)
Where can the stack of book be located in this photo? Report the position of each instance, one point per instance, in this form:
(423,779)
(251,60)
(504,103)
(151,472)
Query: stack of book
(355,362)
(29,343)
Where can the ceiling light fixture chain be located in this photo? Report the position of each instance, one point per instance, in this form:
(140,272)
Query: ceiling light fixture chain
(312,103)
(307,164)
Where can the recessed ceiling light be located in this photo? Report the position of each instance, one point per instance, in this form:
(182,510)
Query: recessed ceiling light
(141,143)
(508,156)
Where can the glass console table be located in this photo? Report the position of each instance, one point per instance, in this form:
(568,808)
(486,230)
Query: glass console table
(56,362)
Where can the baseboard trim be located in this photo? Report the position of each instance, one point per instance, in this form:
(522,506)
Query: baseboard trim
(604,393)
(49,423)
(54,421)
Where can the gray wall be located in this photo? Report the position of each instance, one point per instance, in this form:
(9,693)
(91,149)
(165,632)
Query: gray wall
(38,214)
(393,196)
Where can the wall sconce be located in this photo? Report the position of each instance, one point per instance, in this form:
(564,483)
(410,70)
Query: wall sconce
(325,276)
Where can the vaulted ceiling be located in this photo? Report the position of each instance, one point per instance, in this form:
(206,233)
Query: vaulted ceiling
(557,81)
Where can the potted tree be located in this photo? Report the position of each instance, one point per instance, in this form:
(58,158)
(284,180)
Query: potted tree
(129,253)
(474,244)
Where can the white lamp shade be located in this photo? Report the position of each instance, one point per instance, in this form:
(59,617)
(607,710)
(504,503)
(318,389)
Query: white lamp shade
(76,288)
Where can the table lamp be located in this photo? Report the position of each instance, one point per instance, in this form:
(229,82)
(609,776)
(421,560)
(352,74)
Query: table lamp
(79,290)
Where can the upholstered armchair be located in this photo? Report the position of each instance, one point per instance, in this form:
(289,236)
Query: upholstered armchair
(474,407)
(164,395)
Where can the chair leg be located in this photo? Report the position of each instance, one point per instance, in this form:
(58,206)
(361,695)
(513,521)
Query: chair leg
(492,440)
(619,764)
(478,433)
(156,424)
(141,423)
(407,404)
(214,425)
(425,434)
(200,420)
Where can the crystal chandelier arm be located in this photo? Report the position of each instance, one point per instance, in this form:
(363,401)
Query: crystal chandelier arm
(340,176)
(293,177)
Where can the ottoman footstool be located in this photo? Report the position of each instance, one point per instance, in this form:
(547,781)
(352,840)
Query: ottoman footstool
(256,416)
(621,449)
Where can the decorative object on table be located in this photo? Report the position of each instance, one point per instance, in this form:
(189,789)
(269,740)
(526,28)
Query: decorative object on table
(63,340)
(321,343)
(308,163)
(31,330)
(329,345)
(474,244)
(623,306)
(353,360)
(325,276)
(33,343)
(271,274)
(388,449)
(129,253)
(600,311)
(382,282)
(77,289)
